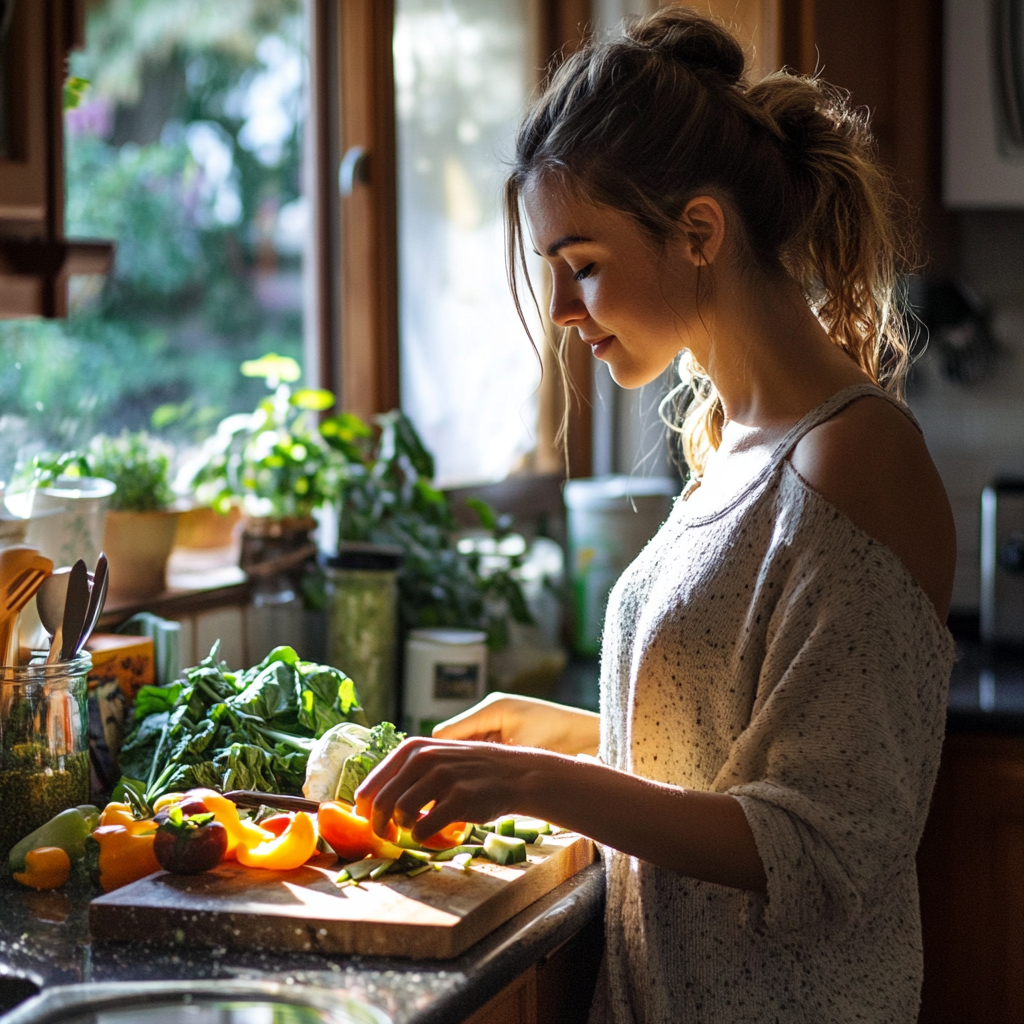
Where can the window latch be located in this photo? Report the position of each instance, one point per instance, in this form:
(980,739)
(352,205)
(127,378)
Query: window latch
(355,167)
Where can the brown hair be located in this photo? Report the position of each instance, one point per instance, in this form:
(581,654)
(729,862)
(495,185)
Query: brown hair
(645,122)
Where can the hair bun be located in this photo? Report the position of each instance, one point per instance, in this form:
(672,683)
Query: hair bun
(690,40)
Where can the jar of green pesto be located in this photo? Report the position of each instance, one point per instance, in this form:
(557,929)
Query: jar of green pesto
(44,744)
(362,633)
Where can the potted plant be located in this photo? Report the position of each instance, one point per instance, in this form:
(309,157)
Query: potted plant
(272,464)
(141,522)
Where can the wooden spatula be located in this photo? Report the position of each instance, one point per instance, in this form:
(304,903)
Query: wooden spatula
(22,571)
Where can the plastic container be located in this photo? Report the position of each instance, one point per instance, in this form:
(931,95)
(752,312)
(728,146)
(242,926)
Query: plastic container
(362,635)
(44,744)
(445,674)
(609,520)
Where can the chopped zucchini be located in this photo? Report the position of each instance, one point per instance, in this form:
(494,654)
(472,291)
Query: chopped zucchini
(409,861)
(472,849)
(506,827)
(528,835)
(360,869)
(505,849)
(419,870)
(530,824)
(479,833)
(382,868)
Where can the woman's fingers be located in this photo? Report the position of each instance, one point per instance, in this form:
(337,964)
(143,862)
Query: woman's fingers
(483,721)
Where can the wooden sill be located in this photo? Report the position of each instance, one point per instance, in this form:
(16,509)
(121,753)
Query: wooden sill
(198,579)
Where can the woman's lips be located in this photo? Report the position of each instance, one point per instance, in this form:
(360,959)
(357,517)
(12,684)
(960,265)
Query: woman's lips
(601,346)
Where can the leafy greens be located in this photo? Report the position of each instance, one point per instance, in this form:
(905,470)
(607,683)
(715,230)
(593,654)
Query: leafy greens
(246,730)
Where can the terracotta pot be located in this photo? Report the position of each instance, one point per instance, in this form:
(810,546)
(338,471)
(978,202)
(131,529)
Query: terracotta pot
(137,545)
(205,528)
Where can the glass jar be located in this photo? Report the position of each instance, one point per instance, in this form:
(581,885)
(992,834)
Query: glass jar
(44,744)
(362,632)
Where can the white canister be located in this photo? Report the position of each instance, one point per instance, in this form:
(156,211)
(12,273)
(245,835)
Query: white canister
(445,674)
(66,518)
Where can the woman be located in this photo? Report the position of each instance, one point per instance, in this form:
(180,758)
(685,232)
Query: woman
(775,662)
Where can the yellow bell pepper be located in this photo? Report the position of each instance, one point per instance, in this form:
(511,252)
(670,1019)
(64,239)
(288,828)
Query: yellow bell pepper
(118,856)
(167,800)
(242,833)
(46,867)
(121,814)
(287,851)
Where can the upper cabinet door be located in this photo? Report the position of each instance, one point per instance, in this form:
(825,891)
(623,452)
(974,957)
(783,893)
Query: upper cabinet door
(35,258)
(984,103)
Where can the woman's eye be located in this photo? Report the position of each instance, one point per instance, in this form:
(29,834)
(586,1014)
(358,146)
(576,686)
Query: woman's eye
(584,272)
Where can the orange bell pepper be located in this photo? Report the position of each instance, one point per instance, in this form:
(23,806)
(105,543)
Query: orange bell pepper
(276,823)
(242,833)
(118,856)
(46,867)
(167,800)
(350,835)
(290,850)
(121,814)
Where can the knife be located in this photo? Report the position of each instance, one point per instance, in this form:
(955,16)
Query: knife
(75,608)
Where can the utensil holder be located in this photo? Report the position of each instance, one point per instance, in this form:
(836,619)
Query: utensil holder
(44,743)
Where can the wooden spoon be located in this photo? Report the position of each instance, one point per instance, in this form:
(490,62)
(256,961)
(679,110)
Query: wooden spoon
(22,571)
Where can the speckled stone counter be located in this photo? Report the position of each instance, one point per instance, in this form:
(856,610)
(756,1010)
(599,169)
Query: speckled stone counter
(46,935)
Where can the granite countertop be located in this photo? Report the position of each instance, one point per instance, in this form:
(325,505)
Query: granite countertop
(45,935)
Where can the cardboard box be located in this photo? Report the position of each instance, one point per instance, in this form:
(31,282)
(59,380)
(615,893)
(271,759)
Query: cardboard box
(126,660)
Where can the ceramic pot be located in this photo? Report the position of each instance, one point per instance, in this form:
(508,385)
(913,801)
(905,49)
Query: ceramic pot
(138,545)
(204,528)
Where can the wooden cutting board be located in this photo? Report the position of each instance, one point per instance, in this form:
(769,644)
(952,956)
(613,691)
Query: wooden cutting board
(437,914)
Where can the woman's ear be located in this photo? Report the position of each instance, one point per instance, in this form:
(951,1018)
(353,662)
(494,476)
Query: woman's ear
(702,224)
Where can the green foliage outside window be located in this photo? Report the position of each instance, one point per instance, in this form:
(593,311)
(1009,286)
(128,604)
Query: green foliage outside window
(156,344)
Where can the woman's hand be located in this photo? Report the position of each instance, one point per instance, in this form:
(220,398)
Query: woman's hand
(525,722)
(468,781)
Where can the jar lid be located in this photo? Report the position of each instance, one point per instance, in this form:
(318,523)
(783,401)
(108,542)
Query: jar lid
(359,555)
(448,635)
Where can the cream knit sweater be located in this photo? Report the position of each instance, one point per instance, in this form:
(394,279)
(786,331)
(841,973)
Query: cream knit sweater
(769,648)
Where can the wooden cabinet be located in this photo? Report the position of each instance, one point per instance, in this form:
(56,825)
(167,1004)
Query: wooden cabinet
(971,867)
(35,257)
(557,990)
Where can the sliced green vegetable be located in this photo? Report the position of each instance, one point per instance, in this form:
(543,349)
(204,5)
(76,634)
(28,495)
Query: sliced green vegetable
(382,869)
(409,861)
(506,826)
(505,849)
(472,849)
(419,870)
(360,869)
(533,824)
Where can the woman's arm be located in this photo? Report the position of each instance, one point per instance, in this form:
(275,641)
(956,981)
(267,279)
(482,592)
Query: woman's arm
(526,722)
(701,835)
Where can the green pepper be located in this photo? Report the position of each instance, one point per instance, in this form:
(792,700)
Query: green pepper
(67,830)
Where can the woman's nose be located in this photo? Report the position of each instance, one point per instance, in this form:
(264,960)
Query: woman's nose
(567,308)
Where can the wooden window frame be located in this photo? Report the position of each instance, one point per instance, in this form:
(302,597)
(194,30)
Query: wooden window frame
(356,329)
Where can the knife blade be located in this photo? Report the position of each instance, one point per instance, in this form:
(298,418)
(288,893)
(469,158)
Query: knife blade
(75,608)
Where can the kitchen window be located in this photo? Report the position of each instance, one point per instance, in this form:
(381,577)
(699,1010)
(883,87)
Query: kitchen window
(187,150)
(209,148)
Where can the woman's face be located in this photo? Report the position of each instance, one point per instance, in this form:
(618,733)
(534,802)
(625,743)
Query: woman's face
(632,301)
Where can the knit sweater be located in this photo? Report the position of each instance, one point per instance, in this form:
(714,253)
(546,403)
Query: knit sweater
(768,648)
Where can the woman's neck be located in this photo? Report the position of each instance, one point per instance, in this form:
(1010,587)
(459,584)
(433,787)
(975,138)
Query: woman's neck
(767,354)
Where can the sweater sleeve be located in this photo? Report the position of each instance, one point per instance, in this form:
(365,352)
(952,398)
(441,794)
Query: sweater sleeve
(836,768)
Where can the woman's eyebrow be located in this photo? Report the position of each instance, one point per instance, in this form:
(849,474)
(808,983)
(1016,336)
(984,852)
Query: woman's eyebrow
(562,242)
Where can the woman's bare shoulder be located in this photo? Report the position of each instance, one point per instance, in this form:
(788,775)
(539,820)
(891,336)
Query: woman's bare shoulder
(871,462)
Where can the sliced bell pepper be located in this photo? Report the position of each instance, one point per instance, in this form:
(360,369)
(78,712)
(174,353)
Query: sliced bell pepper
(241,832)
(167,800)
(350,835)
(285,852)
(118,857)
(276,823)
(46,867)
